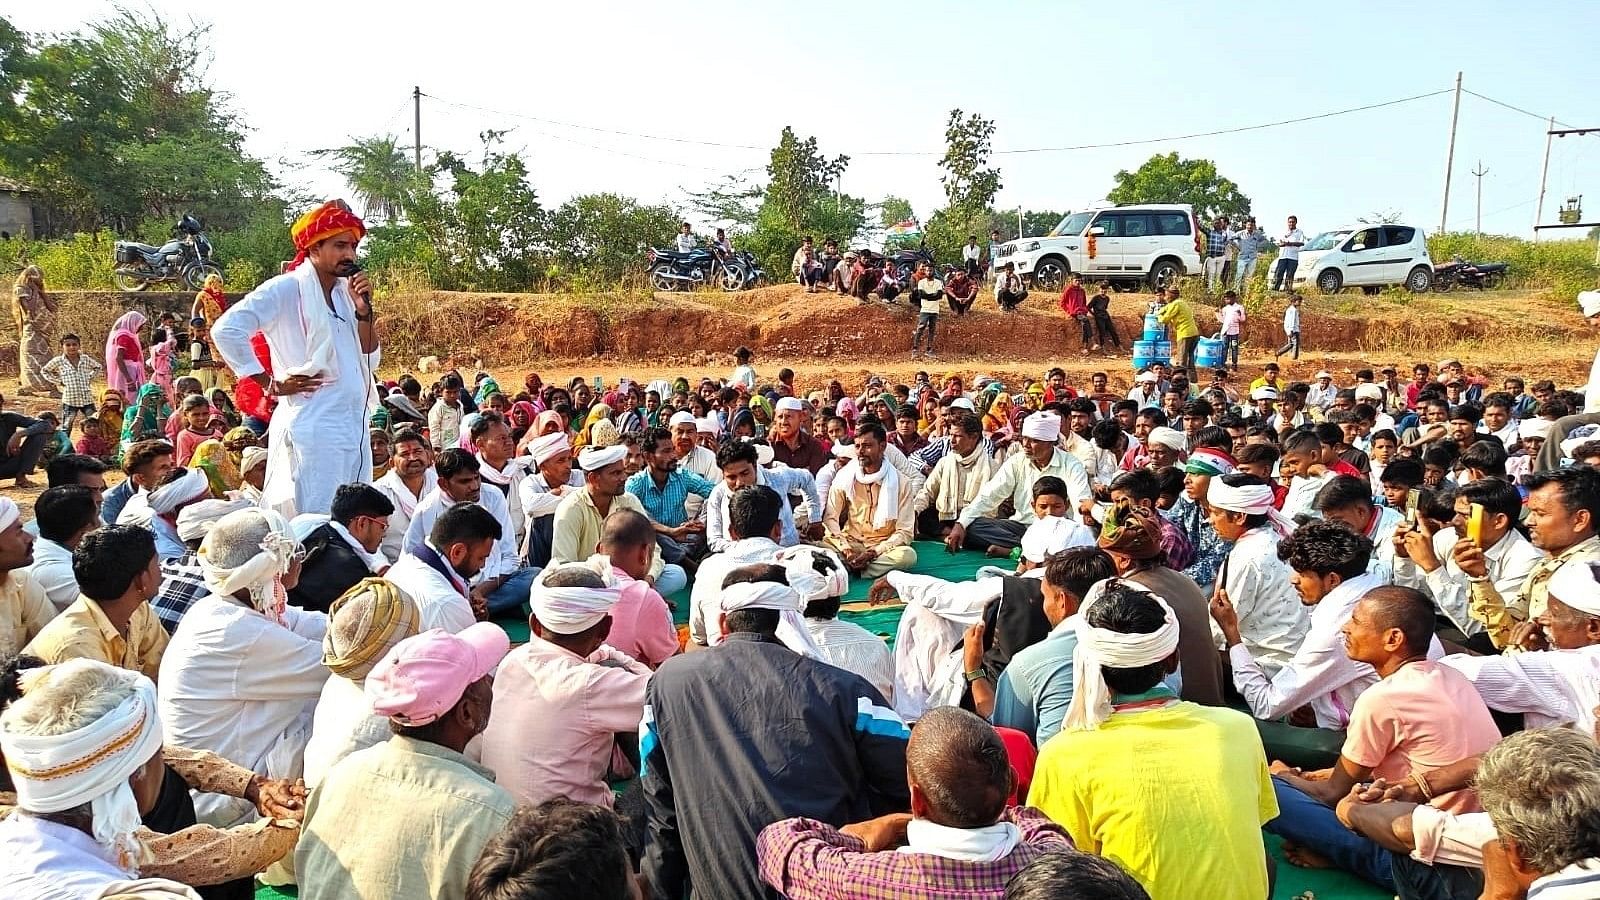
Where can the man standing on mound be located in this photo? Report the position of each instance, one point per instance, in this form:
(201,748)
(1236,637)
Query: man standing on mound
(319,324)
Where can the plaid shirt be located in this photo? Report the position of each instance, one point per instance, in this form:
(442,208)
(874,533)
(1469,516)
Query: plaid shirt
(181,585)
(1216,242)
(807,860)
(75,381)
(665,504)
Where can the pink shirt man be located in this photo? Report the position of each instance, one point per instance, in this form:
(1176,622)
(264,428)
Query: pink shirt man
(554,719)
(1232,318)
(641,623)
(1422,717)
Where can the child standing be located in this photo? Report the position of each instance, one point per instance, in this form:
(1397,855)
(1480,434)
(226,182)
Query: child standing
(444,419)
(163,347)
(1291,328)
(198,427)
(73,373)
(928,293)
(744,374)
(1100,309)
(1232,318)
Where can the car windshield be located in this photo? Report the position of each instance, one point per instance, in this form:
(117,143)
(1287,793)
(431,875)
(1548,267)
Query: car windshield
(1327,240)
(1073,224)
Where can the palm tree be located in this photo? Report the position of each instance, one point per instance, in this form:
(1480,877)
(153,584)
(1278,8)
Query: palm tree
(379,173)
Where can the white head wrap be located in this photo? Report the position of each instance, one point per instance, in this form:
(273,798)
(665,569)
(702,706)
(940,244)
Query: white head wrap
(786,601)
(792,404)
(963,403)
(253,456)
(1097,647)
(1369,391)
(1574,585)
(1586,434)
(1148,377)
(800,565)
(9,513)
(1042,426)
(843,451)
(593,459)
(708,425)
(764,455)
(1534,428)
(1053,534)
(1589,302)
(262,573)
(173,494)
(569,610)
(1251,499)
(1167,437)
(1264,393)
(196,519)
(92,765)
(1324,374)
(681,417)
(543,449)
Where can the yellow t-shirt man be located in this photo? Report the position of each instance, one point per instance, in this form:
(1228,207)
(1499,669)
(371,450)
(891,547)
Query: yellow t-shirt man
(1175,794)
(1180,315)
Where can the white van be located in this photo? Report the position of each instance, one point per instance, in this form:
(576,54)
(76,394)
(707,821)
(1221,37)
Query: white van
(1366,256)
(1154,242)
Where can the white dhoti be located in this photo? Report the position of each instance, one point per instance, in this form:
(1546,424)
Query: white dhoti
(316,441)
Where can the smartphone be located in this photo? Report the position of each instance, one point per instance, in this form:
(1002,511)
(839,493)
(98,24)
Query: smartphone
(1413,501)
(1475,524)
(599,384)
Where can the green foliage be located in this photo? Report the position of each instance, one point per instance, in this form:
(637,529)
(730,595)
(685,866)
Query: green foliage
(894,210)
(1037,223)
(969,183)
(799,178)
(380,173)
(1561,268)
(604,236)
(1165,178)
(115,124)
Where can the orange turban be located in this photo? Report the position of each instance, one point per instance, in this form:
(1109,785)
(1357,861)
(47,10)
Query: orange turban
(324,222)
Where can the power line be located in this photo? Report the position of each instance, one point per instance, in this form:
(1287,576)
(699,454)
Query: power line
(1513,108)
(1063,149)
(558,137)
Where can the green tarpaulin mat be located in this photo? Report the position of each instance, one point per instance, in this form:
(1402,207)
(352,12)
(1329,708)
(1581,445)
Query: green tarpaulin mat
(1293,882)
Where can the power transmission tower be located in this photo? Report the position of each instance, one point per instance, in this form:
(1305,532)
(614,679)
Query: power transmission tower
(1479,172)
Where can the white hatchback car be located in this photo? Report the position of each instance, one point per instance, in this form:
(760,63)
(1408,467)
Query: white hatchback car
(1366,256)
(1153,242)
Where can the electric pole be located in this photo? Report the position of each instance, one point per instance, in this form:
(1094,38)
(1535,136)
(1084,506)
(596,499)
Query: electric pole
(1479,172)
(416,127)
(1450,156)
(1544,172)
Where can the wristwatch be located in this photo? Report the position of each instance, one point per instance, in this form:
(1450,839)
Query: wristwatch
(976,675)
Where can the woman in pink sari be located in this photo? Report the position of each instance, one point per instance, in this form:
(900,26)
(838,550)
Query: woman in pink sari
(125,356)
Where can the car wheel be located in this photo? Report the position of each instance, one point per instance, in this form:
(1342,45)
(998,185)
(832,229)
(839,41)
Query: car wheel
(1330,281)
(1051,273)
(1164,274)
(1420,280)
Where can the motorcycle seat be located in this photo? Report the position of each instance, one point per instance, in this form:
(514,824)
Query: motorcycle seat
(146,249)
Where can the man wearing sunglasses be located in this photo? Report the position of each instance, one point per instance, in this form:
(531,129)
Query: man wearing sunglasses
(345,549)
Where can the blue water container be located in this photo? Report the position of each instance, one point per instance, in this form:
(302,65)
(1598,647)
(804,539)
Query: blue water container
(1144,354)
(1163,351)
(1208,354)
(1153,329)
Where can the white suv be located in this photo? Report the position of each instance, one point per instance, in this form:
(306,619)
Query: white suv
(1156,242)
(1366,256)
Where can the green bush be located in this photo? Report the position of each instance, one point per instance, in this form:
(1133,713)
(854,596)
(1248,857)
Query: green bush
(1560,268)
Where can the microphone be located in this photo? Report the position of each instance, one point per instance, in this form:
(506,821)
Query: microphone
(350,270)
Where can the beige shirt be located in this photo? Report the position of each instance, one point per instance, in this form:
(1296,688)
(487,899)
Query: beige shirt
(82,631)
(440,809)
(24,610)
(577,527)
(849,516)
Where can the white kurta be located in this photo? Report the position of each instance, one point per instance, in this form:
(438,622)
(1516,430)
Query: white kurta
(316,441)
(243,687)
(1272,620)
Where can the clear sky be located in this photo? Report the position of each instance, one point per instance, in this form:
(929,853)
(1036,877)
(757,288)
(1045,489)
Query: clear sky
(872,77)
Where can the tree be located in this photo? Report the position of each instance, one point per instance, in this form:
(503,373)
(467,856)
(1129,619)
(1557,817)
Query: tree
(969,184)
(379,173)
(1381,217)
(894,210)
(1165,178)
(1036,223)
(733,199)
(799,179)
(605,235)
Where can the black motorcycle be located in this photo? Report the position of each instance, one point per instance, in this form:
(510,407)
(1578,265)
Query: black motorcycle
(674,270)
(1460,273)
(185,260)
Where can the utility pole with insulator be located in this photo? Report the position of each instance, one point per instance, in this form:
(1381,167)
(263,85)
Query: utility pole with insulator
(1450,155)
(416,126)
(1479,172)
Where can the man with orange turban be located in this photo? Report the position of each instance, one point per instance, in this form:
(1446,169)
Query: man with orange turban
(319,325)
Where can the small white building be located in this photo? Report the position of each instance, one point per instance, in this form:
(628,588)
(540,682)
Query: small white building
(16,209)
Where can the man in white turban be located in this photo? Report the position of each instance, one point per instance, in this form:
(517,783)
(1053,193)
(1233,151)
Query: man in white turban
(83,746)
(977,526)
(244,669)
(845,644)
(1166,447)
(158,510)
(552,477)
(581,515)
(1210,756)
(1272,620)
(561,699)
(24,605)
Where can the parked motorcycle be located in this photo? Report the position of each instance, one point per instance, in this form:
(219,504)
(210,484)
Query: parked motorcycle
(185,260)
(673,270)
(751,272)
(1459,272)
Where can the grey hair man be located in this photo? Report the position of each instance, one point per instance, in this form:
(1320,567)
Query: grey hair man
(1541,789)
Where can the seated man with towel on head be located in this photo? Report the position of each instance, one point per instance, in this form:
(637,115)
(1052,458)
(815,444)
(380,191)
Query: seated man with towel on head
(978,528)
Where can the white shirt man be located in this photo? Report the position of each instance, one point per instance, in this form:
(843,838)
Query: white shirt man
(503,561)
(405,507)
(1272,620)
(705,597)
(1509,561)
(52,569)
(441,597)
(1323,393)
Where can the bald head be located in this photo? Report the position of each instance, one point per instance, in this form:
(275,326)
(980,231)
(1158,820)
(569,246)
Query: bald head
(625,529)
(958,768)
(1405,609)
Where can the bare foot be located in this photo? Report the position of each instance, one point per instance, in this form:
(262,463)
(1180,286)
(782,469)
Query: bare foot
(22,482)
(996,551)
(1305,859)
